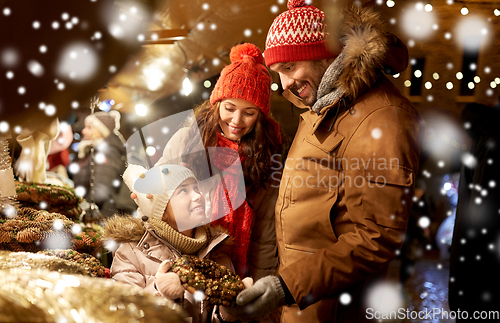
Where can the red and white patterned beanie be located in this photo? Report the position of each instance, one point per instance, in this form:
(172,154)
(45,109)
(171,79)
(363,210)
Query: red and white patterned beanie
(298,34)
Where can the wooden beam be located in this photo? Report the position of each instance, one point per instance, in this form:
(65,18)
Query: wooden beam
(166,34)
(159,42)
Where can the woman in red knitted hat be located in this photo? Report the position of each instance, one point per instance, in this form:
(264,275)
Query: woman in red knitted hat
(236,121)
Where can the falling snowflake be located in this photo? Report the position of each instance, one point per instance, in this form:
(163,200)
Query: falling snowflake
(58,225)
(385,297)
(100,158)
(4,126)
(150,151)
(345,298)
(471,32)
(417,22)
(10,57)
(76,228)
(116,183)
(50,110)
(73,168)
(80,191)
(376,133)
(9,211)
(469,160)
(111,245)
(199,296)
(57,241)
(77,62)
(424,222)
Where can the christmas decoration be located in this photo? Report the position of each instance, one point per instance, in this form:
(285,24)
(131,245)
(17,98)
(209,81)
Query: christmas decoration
(8,205)
(52,198)
(33,230)
(219,284)
(88,262)
(37,295)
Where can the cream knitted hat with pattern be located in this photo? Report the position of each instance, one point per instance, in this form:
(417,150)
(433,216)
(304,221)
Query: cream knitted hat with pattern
(160,181)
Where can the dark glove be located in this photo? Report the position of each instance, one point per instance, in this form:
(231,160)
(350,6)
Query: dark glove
(258,301)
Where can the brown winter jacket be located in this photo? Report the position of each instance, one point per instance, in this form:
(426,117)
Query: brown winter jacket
(347,187)
(262,258)
(142,251)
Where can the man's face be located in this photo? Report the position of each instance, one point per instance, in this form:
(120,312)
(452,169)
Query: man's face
(302,77)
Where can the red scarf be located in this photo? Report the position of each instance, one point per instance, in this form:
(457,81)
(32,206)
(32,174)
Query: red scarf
(231,191)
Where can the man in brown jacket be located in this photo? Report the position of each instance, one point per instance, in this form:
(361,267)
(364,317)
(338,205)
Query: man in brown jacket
(348,182)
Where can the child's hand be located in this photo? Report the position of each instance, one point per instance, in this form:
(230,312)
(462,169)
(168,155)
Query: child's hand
(168,283)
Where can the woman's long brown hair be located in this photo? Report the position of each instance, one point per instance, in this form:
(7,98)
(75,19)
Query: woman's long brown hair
(260,144)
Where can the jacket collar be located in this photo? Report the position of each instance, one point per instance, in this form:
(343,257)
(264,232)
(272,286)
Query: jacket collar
(361,65)
(312,119)
(125,229)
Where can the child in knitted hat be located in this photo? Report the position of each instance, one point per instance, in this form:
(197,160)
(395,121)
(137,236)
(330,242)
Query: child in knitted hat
(171,226)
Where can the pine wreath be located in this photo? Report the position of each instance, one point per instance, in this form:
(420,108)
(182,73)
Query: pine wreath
(30,228)
(59,199)
(218,283)
(89,262)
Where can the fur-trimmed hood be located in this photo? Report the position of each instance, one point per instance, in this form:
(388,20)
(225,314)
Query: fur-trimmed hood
(124,229)
(368,49)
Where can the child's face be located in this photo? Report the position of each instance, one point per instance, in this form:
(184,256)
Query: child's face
(237,117)
(186,208)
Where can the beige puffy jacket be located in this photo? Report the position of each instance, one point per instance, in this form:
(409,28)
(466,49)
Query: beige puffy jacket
(142,251)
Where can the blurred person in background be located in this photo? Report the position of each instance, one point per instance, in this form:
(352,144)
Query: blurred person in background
(59,157)
(475,260)
(101,131)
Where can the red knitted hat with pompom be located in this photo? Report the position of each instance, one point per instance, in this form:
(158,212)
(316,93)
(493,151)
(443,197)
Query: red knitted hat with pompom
(298,34)
(245,78)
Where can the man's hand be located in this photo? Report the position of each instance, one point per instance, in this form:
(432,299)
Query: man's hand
(259,300)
